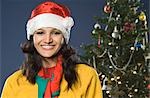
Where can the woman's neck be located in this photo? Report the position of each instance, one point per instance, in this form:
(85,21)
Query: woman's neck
(49,62)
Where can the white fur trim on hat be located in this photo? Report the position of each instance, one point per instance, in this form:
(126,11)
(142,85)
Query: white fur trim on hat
(50,20)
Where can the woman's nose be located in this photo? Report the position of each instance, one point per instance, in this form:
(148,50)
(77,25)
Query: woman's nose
(48,38)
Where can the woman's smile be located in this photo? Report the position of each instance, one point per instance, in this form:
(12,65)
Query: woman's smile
(48,47)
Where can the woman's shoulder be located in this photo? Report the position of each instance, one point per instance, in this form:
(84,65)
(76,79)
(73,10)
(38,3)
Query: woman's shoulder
(86,70)
(86,76)
(15,76)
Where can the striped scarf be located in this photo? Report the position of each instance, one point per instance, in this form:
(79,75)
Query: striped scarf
(48,80)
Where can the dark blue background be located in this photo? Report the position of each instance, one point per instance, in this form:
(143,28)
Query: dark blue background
(14,15)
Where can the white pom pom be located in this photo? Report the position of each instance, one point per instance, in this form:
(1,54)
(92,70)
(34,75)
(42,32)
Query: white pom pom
(68,22)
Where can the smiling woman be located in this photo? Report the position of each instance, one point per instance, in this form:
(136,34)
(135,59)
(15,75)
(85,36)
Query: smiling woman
(51,68)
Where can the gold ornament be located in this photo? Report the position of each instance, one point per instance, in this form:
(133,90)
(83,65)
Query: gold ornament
(142,16)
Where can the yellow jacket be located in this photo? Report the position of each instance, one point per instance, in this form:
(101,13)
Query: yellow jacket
(88,86)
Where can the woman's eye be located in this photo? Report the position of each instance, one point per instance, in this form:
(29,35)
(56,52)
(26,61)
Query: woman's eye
(39,32)
(56,33)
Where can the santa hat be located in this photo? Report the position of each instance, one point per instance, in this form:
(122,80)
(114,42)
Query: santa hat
(50,14)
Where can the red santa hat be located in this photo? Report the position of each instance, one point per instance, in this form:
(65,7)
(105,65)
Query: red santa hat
(50,14)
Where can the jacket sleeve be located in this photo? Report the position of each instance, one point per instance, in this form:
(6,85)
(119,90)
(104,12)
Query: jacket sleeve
(94,89)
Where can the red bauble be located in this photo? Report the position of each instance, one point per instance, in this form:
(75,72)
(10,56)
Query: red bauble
(148,86)
(128,26)
(107,9)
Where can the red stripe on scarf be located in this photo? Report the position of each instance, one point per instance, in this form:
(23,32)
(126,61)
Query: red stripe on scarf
(55,75)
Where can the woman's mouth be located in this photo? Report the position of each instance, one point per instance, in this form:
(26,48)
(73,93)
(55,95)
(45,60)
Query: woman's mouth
(47,47)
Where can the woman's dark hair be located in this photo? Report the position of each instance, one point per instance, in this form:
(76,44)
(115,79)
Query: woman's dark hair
(33,62)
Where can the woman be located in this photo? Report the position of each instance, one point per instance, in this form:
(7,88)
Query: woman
(51,68)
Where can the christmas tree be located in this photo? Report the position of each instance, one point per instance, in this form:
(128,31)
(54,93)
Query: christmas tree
(120,50)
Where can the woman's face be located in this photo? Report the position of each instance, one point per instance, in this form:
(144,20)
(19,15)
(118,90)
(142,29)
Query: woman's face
(48,41)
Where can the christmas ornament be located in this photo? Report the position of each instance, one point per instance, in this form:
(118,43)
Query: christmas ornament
(104,85)
(116,34)
(107,8)
(97,26)
(138,45)
(99,41)
(93,32)
(128,27)
(142,16)
(148,86)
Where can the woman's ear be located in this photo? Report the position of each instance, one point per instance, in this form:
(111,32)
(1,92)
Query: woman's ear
(62,41)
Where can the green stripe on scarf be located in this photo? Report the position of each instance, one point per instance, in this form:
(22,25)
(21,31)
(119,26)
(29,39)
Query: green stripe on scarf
(55,94)
(42,83)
